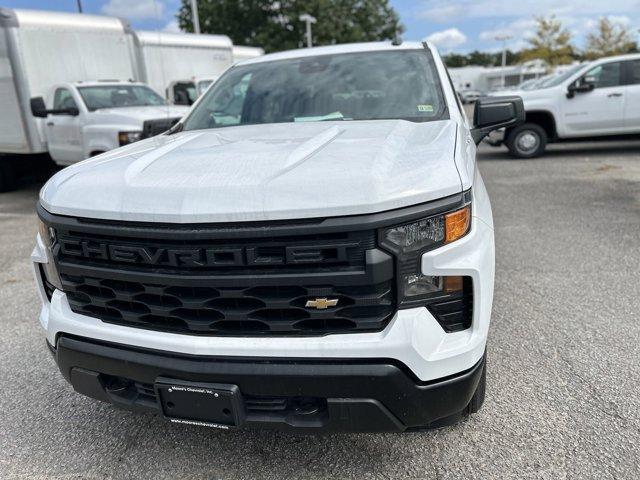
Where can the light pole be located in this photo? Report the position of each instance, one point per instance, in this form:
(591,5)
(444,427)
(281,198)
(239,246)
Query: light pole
(503,39)
(308,19)
(194,14)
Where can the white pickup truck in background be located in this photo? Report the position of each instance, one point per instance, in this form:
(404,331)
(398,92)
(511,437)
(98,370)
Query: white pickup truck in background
(40,51)
(89,118)
(597,99)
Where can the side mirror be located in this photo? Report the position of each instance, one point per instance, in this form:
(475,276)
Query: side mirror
(493,113)
(38,108)
(583,85)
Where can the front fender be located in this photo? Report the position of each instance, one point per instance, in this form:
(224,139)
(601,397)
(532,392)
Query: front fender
(102,138)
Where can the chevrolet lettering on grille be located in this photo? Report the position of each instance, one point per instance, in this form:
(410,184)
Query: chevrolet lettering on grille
(194,257)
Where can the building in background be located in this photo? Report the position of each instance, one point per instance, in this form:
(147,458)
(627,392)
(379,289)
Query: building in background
(487,79)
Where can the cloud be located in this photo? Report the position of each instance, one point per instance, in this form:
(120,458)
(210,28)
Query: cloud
(134,10)
(172,27)
(518,29)
(443,13)
(444,10)
(447,39)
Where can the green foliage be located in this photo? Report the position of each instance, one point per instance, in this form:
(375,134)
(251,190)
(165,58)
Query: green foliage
(484,59)
(551,43)
(275,25)
(611,38)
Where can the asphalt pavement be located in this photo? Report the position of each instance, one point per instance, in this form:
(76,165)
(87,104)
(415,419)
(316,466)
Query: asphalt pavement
(563,374)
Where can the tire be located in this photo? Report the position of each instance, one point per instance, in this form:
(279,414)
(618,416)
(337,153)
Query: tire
(527,141)
(8,175)
(478,398)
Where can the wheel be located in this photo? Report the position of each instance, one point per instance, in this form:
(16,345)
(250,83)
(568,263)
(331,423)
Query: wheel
(8,176)
(527,141)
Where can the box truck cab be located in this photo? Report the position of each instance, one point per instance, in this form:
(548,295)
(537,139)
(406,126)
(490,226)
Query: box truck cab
(84,119)
(588,101)
(172,63)
(310,248)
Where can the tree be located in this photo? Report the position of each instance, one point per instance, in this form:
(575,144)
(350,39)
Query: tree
(551,43)
(611,38)
(454,60)
(476,57)
(274,24)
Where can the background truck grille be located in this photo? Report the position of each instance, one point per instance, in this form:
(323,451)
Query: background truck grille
(151,128)
(219,311)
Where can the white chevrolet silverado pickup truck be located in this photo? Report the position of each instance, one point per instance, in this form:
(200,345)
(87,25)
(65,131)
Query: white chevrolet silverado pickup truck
(310,248)
(89,118)
(595,100)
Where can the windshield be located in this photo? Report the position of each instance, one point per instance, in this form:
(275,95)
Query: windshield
(353,86)
(114,96)
(558,79)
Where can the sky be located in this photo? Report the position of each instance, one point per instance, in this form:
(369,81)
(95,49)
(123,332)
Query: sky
(453,25)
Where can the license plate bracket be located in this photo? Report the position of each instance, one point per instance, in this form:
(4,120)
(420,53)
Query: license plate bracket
(214,405)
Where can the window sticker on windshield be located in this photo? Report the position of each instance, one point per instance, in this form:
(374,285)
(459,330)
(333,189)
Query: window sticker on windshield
(425,108)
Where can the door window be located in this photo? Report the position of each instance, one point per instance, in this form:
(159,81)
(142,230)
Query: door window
(606,75)
(62,100)
(633,72)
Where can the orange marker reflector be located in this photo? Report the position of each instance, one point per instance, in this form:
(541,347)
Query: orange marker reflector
(452,284)
(457,224)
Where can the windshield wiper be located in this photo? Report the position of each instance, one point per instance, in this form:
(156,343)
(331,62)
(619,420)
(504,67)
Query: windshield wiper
(321,118)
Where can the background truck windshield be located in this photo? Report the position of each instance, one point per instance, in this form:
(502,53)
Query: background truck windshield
(113,96)
(355,86)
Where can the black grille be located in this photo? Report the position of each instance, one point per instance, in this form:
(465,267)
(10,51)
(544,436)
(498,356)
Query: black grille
(151,128)
(219,311)
(226,280)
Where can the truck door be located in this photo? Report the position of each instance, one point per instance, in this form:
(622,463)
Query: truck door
(63,131)
(632,102)
(601,110)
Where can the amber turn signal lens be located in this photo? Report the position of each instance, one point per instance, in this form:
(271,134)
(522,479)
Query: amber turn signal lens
(453,284)
(457,224)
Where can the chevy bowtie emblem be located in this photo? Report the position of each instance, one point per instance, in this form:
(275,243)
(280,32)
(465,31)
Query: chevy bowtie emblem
(322,303)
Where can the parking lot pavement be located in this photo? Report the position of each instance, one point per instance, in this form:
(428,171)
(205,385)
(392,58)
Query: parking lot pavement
(563,355)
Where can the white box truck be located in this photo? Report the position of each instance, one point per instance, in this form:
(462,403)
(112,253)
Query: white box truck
(241,53)
(40,50)
(174,63)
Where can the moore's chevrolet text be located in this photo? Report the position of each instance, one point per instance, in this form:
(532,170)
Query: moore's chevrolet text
(310,248)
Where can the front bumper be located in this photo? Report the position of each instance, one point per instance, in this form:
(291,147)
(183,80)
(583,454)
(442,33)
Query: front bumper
(350,395)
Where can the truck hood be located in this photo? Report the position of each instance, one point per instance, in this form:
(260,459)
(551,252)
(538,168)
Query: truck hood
(144,113)
(263,172)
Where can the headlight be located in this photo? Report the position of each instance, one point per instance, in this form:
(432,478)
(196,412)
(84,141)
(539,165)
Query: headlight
(428,233)
(48,236)
(125,138)
(448,298)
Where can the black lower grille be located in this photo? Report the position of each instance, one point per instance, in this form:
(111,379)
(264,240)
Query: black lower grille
(281,310)
(151,128)
(455,312)
(255,406)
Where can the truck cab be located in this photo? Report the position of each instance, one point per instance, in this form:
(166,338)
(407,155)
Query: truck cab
(83,119)
(596,99)
(186,92)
